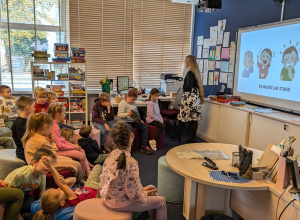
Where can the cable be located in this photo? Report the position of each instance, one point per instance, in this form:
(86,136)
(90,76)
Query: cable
(285,208)
(278,202)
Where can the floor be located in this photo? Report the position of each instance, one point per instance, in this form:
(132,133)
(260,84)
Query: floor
(148,165)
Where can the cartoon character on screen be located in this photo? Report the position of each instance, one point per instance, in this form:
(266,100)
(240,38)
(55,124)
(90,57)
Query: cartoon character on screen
(248,63)
(289,61)
(264,64)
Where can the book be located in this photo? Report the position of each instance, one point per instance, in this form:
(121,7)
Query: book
(61,45)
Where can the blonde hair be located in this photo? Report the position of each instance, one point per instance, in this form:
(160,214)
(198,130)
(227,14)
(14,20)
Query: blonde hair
(35,122)
(190,61)
(55,108)
(51,95)
(50,204)
(39,91)
(67,133)
(104,97)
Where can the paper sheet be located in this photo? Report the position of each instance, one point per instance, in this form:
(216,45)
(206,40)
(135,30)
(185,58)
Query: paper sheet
(212,51)
(204,79)
(230,80)
(216,78)
(225,53)
(205,53)
(211,65)
(224,66)
(226,39)
(205,65)
(211,78)
(213,35)
(206,43)
(232,56)
(265,110)
(200,65)
(199,51)
(200,40)
(223,77)
(218,53)
(218,65)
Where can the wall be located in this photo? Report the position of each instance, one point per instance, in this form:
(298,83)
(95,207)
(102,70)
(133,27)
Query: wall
(239,14)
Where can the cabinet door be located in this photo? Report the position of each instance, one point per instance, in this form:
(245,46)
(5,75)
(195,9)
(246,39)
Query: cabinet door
(233,126)
(208,126)
(266,130)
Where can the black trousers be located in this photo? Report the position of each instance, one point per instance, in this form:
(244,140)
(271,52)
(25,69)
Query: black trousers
(160,127)
(28,200)
(144,129)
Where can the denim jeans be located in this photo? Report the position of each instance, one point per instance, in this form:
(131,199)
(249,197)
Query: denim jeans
(103,131)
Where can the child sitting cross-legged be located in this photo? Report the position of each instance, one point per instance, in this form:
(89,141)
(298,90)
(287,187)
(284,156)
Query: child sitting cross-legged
(31,177)
(65,148)
(120,184)
(93,153)
(55,199)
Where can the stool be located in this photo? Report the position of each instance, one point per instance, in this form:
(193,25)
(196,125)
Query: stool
(169,184)
(9,162)
(152,131)
(50,182)
(136,141)
(95,209)
(96,135)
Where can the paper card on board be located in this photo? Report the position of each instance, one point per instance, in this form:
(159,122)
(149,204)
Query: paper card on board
(223,77)
(230,81)
(211,65)
(205,53)
(206,43)
(200,65)
(224,66)
(199,51)
(200,40)
(218,65)
(225,53)
(211,78)
(204,78)
(213,35)
(205,66)
(218,53)
(216,78)
(226,39)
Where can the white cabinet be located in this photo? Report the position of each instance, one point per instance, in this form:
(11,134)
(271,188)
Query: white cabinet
(223,124)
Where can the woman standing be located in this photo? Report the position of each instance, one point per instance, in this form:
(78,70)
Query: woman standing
(193,97)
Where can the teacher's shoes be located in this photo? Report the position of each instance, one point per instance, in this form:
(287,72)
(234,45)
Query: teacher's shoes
(146,150)
(153,144)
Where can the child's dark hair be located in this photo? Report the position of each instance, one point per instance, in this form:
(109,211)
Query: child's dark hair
(55,108)
(41,153)
(24,101)
(85,131)
(3,87)
(104,97)
(132,93)
(153,91)
(67,133)
(120,134)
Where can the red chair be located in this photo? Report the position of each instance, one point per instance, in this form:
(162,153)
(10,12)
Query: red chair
(136,141)
(50,183)
(152,131)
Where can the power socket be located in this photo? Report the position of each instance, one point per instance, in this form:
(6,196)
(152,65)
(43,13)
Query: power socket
(296,196)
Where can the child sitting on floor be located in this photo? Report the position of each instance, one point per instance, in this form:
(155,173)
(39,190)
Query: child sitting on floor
(31,177)
(38,135)
(120,184)
(128,108)
(27,106)
(154,117)
(93,153)
(42,104)
(65,148)
(55,199)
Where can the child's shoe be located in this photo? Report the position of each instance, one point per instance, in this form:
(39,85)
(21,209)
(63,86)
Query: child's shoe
(146,150)
(153,144)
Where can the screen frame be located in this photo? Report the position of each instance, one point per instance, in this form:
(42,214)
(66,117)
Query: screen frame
(282,104)
(127,77)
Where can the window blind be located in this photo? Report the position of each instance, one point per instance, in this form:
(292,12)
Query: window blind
(136,38)
(104,29)
(26,26)
(161,39)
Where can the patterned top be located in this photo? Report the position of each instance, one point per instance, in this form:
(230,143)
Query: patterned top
(8,108)
(119,188)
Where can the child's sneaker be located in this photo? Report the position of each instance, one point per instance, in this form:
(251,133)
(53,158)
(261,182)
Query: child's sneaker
(153,144)
(146,150)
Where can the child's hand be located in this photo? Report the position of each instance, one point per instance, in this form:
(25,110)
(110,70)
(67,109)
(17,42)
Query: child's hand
(46,161)
(151,190)
(52,138)
(107,127)
(129,113)
(142,121)
(3,125)
(3,184)
(62,180)
(162,121)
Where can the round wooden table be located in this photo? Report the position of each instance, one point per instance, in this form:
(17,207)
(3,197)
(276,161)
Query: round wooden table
(200,193)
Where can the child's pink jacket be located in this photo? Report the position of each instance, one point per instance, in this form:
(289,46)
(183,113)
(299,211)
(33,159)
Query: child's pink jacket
(61,143)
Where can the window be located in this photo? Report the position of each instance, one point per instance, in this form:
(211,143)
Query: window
(137,38)
(25,26)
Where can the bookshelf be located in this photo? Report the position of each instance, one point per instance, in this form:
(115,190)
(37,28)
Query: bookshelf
(68,81)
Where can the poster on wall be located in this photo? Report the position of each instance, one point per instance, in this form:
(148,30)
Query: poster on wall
(213,35)
(225,53)
(216,78)
(211,65)
(218,53)
(230,80)
(204,79)
(231,56)
(226,39)
(223,77)
(205,53)
(218,65)
(205,66)
(200,40)
(224,66)
(211,78)
(199,51)
(200,65)
(206,43)
(212,51)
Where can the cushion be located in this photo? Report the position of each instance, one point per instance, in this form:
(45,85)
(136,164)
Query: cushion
(170,113)
(9,162)
(152,131)
(50,183)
